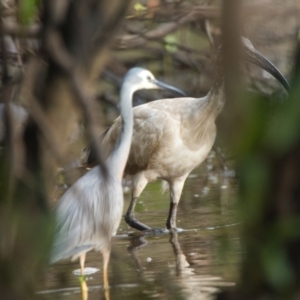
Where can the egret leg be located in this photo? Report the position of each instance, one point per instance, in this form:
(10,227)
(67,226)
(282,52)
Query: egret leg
(176,187)
(106,255)
(138,185)
(82,261)
(83,285)
(84,289)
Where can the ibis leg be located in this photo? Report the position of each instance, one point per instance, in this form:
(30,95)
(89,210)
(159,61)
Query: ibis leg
(138,184)
(176,187)
(171,221)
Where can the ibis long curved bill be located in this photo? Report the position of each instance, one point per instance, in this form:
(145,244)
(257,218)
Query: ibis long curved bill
(255,57)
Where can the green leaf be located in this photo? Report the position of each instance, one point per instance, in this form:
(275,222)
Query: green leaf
(170,41)
(28,9)
(139,7)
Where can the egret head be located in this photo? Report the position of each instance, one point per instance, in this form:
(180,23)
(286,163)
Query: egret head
(254,57)
(139,79)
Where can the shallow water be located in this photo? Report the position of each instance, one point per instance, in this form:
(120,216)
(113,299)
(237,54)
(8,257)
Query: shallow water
(194,263)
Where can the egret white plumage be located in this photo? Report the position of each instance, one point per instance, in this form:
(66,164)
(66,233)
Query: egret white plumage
(89,213)
(171,137)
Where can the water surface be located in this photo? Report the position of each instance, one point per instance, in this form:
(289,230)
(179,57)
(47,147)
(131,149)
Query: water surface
(195,263)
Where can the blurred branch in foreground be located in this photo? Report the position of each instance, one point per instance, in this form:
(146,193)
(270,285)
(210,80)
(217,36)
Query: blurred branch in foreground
(267,141)
(57,84)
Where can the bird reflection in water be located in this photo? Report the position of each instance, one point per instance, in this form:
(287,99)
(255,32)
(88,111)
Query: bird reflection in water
(187,281)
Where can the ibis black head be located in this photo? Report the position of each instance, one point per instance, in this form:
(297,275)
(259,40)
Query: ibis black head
(254,57)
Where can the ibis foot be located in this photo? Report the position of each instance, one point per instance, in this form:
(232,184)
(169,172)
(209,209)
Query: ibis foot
(133,222)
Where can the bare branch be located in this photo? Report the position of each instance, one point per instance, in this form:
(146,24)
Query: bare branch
(60,55)
(14,29)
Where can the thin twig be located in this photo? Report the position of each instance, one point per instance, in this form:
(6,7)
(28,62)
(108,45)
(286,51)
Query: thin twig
(45,127)
(61,56)
(14,29)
